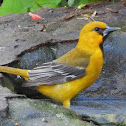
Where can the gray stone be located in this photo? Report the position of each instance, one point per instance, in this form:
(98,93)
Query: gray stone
(4,92)
(115,119)
(27,112)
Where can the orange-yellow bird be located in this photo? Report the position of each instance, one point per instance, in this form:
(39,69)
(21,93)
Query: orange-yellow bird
(63,78)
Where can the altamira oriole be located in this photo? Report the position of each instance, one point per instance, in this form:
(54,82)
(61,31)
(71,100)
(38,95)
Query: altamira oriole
(63,78)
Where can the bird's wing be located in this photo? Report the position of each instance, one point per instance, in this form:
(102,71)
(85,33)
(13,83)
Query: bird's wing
(53,73)
(75,58)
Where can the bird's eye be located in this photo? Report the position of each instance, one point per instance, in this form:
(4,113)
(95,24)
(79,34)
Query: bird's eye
(96,29)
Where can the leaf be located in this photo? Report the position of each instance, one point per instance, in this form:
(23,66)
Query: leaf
(70,2)
(48,3)
(81,6)
(79,2)
(22,6)
(16,6)
(63,3)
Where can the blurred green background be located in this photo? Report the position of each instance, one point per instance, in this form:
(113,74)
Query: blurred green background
(23,6)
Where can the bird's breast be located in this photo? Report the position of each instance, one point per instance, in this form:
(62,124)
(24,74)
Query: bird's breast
(95,66)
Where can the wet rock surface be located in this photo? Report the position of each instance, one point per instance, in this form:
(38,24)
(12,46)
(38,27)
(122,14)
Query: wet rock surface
(27,43)
(4,94)
(27,112)
(106,112)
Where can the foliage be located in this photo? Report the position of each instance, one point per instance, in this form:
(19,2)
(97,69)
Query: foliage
(23,6)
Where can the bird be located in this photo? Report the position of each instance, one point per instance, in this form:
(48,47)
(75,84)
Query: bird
(63,78)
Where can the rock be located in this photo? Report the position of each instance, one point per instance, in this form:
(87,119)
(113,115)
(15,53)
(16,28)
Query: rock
(28,112)
(4,92)
(3,107)
(1,75)
(107,112)
(110,119)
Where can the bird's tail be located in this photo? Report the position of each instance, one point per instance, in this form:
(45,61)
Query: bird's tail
(15,71)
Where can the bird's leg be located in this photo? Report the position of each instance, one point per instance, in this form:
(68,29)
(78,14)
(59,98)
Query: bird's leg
(66,103)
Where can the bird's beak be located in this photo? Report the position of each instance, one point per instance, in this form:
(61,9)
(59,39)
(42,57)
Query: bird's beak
(109,29)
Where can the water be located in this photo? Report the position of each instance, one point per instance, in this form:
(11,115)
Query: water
(91,106)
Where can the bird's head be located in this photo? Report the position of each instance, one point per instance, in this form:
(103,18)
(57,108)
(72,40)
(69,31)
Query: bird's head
(92,34)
